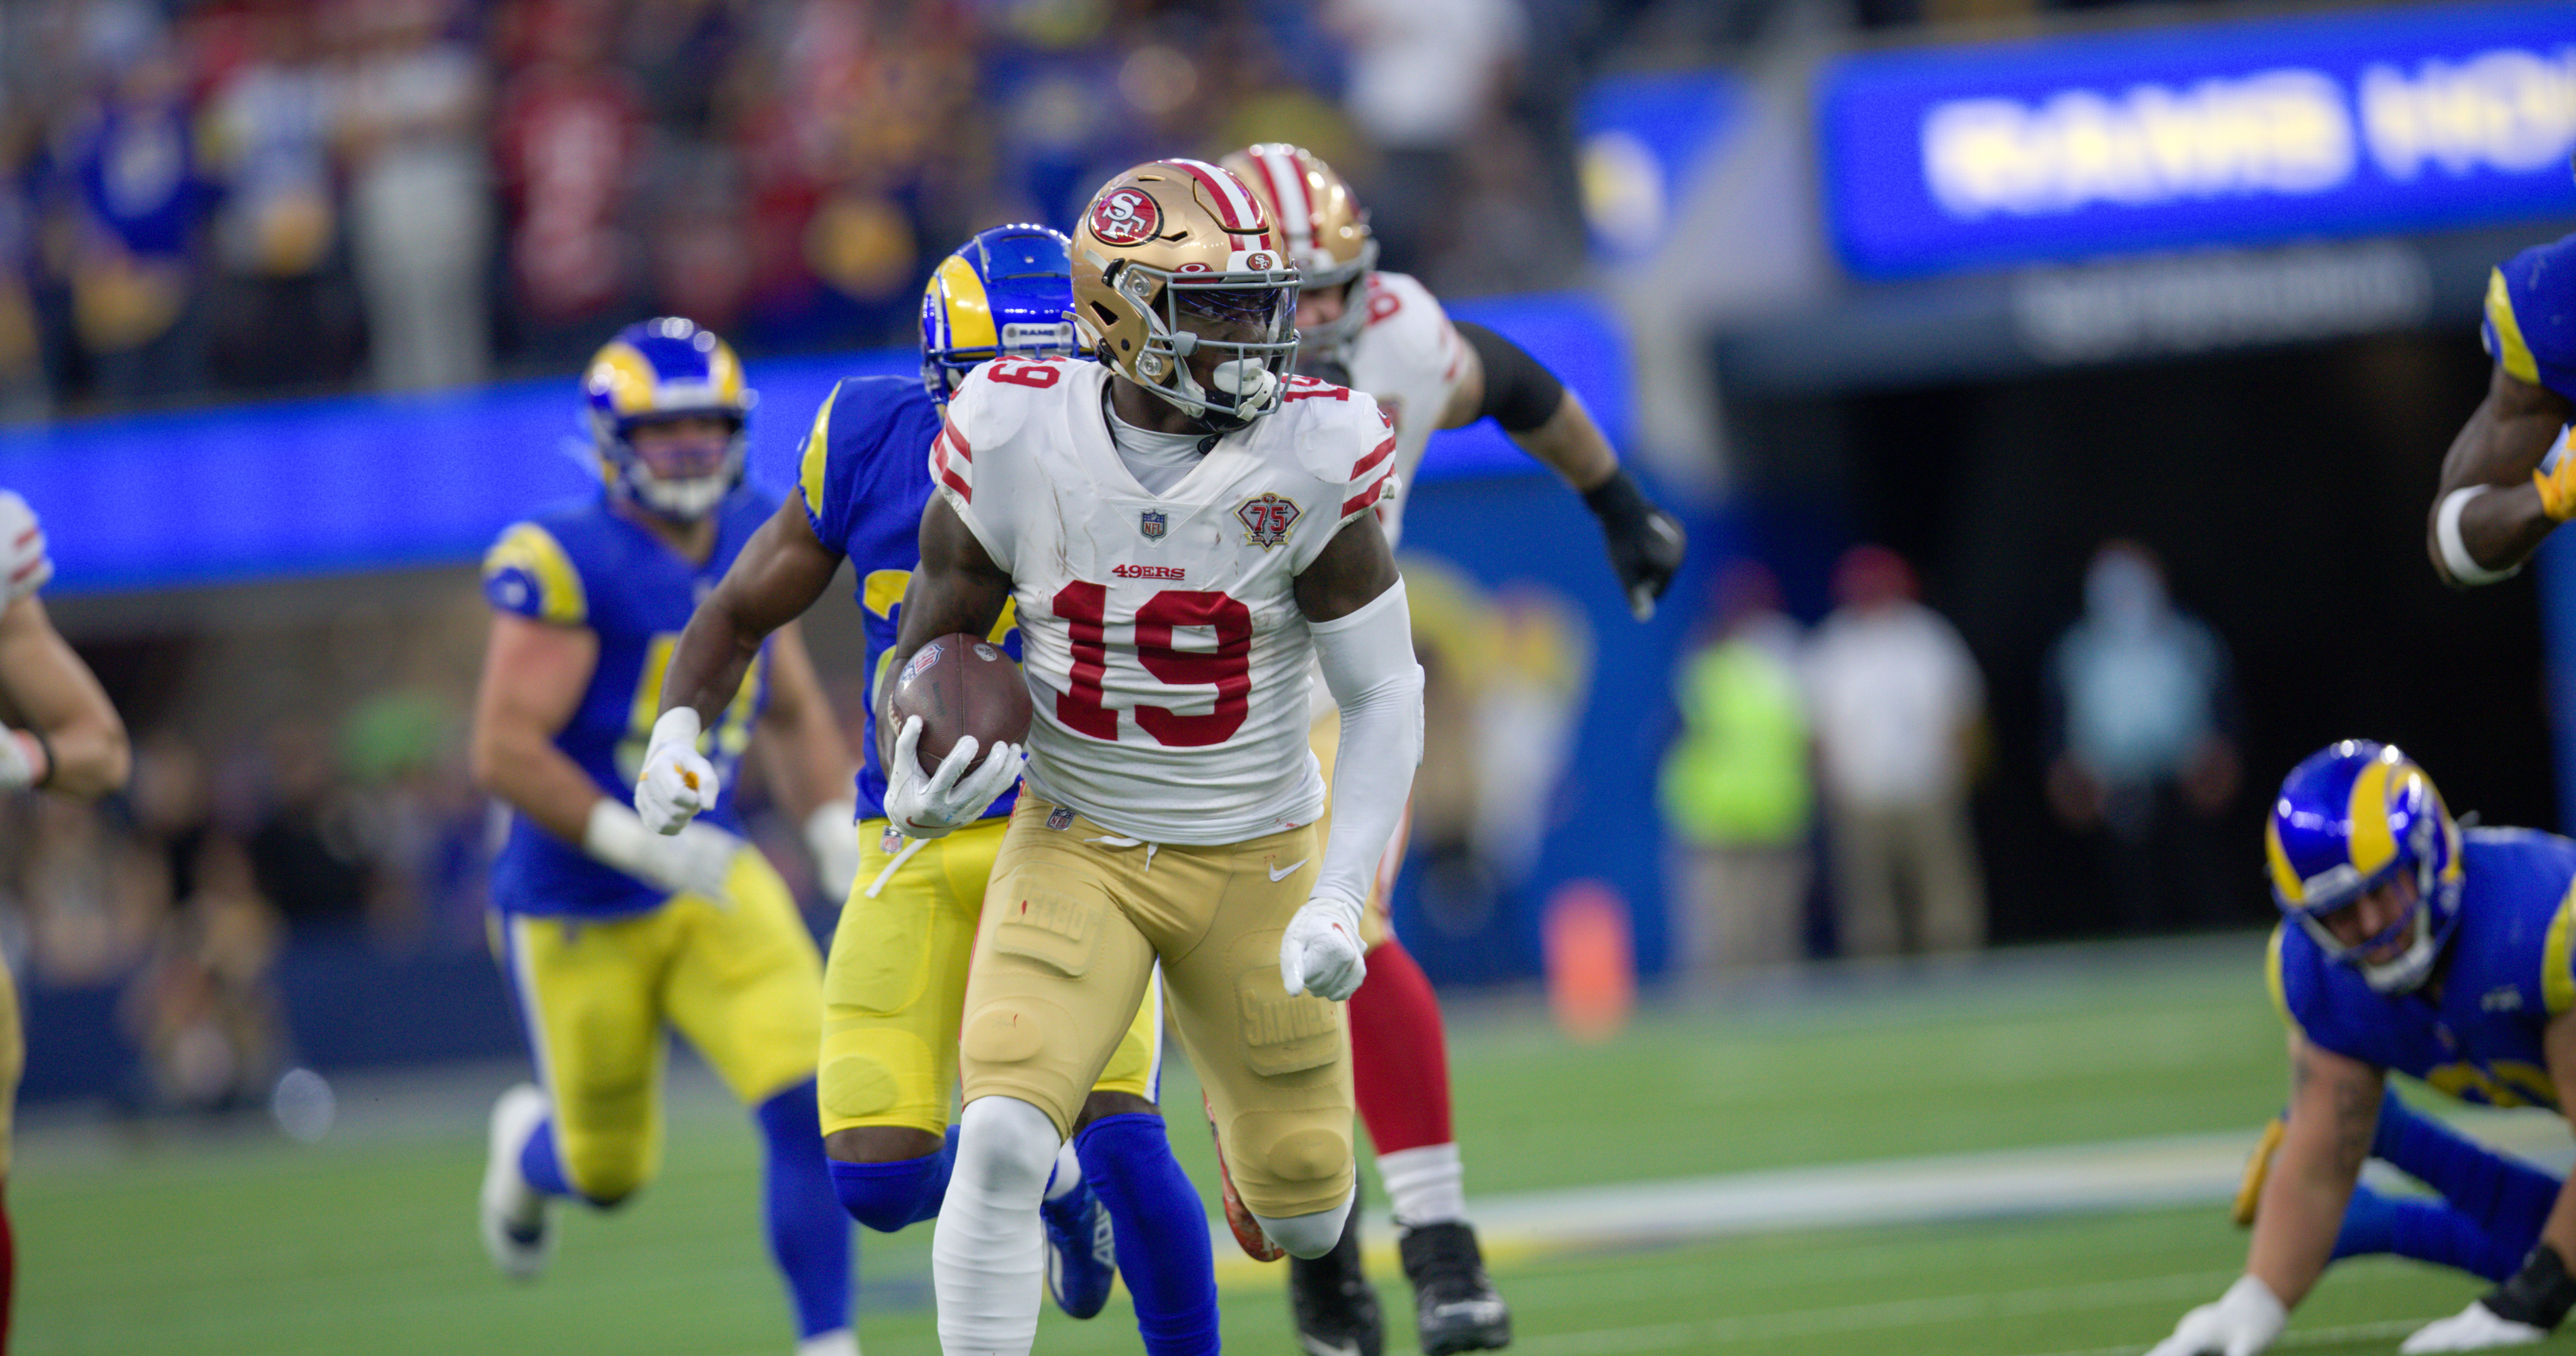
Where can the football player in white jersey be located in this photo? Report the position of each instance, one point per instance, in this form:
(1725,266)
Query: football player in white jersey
(66,738)
(1185,534)
(1384,333)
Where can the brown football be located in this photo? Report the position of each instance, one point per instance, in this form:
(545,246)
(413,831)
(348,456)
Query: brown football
(960,685)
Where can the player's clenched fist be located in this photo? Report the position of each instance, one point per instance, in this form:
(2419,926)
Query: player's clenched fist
(1321,954)
(2242,1323)
(958,794)
(678,782)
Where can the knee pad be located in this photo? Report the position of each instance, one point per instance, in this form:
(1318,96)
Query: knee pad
(1005,1145)
(604,1178)
(1312,1235)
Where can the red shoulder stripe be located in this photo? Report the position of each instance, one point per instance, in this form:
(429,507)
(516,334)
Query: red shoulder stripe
(1384,450)
(1369,496)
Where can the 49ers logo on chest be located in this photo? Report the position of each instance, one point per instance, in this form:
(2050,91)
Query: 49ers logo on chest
(1126,217)
(1266,519)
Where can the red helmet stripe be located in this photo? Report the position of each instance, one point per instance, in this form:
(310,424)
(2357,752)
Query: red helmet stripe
(1235,208)
(1299,214)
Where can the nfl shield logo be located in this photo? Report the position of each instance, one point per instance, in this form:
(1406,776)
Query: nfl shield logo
(1151,522)
(1059,818)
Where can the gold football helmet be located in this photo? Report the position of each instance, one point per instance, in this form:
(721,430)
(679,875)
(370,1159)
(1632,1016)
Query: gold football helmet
(1175,260)
(1322,224)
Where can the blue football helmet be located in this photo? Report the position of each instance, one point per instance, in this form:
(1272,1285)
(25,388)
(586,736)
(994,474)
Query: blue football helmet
(2347,821)
(1008,291)
(660,370)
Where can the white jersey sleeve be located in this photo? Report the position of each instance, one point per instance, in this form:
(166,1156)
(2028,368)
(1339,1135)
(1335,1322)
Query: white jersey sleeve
(1344,420)
(22,547)
(1411,360)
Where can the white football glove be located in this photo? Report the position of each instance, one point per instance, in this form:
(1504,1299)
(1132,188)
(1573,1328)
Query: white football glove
(2243,1322)
(1321,954)
(956,795)
(2475,1328)
(17,769)
(677,782)
(832,835)
(695,860)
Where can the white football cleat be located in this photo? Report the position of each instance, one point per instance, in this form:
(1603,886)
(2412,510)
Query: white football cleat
(514,1214)
(2476,1328)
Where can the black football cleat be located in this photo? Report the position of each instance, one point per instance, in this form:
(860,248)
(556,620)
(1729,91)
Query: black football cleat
(1454,1304)
(1335,1307)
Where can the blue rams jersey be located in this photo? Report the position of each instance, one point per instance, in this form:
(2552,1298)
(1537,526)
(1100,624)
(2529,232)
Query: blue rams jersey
(864,480)
(585,566)
(2531,316)
(2507,972)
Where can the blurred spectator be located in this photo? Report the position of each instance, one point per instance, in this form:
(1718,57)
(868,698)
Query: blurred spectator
(282,317)
(419,205)
(134,268)
(2141,741)
(570,134)
(205,1008)
(308,851)
(1898,707)
(1735,788)
(1423,73)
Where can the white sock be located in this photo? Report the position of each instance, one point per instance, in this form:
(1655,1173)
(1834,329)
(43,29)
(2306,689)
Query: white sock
(1424,1186)
(1068,1173)
(987,1252)
(837,1342)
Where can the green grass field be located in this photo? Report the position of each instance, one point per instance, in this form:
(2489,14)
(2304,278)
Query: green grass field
(245,1243)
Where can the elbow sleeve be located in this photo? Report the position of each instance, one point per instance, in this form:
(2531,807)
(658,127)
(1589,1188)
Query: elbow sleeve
(1520,393)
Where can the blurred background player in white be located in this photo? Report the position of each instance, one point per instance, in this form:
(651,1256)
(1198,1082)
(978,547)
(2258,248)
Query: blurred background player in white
(1386,335)
(894,985)
(2506,482)
(607,929)
(1171,807)
(62,735)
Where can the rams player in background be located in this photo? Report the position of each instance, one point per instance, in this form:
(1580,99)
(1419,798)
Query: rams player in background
(2446,954)
(1386,335)
(2507,481)
(609,930)
(63,736)
(897,974)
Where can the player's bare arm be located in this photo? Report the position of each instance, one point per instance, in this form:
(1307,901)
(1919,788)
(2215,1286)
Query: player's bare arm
(1348,574)
(73,740)
(779,574)
(533,676)
(957,587)
(799,737)
(2496,514)
(2334,1107)
(1499,379)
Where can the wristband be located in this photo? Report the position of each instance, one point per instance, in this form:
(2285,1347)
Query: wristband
(2464,567)
(47,747)
(616,836)
(2540,1294)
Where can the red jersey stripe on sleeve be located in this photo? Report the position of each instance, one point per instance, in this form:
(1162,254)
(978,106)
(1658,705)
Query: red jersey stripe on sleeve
(1369,496)
(948,470)
(1382,452)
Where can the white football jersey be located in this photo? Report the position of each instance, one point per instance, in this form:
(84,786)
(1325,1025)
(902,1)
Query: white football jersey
(22,547)
(1410,359)
(1165,656)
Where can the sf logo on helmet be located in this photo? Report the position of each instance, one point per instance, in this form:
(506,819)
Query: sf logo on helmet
(1125,217)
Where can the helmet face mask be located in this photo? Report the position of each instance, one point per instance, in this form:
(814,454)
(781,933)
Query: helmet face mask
(2350,821)
(1179,285)
(656,374)
(1005,293)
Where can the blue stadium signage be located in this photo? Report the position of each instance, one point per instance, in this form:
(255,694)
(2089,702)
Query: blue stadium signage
(2349,124)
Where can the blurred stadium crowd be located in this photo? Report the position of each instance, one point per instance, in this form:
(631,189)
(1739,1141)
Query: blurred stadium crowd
(257,195)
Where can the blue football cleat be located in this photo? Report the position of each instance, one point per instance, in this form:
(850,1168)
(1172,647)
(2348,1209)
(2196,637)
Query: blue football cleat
(1082,1255)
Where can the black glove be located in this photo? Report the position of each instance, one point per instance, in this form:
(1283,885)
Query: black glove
(1646,544)
(2540,1294)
